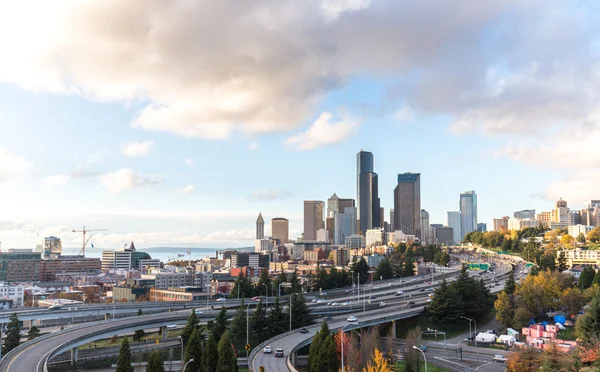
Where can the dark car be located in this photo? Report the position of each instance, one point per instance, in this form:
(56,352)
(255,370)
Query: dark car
(410,302)
(304,330)
(279,353)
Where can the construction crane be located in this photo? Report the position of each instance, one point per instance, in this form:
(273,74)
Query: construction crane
(84,231)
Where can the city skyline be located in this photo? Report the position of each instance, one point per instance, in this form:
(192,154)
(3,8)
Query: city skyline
(181,139)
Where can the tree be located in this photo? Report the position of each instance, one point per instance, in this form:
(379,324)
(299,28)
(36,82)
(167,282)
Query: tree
(265,280)
(555,360)
(33,332)
(13,334)
(276,319)
(586,278)
(581,238)
(384,270)
(227,359)
(510,286)
(193,350)
(124,358)
(412,357)
(156,362)
(191,325)
(220,325)
(567,240)
(300,312)
(211,355)
(562,261)
(238,325)
(295,282)
(596,278)
(522,318)
(352,350)
(588,326)
(380,364)
(258,324)
(572,300)
(540,293)
(445,307)
(139,334)
(360,268)
(505,309)
(594,235)
(322,355)
(526,360)
(409,268)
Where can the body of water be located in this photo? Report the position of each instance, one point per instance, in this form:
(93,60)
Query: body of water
(162,253)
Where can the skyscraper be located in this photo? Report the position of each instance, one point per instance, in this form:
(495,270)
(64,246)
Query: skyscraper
(407,204)
(345,225)
(333,205)
(392,220)
(313,219)
(367,192)
(468,213)
(454,223)
(425,229)
(280,229)
(260,227)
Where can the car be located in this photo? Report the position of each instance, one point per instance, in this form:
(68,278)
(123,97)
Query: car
(429,300)
(373,297)
(410,302)
(352,318)
(399,293)
(256,298)
(429,289)
(345,303)
(412,280)
(268,349)
(279,353)
(421,290)
(335,304)
(314,301)
(323,294)
(423,347)
(320,301)
(328,319)
(499,358)
(221,299)
(304,330)
(382,304)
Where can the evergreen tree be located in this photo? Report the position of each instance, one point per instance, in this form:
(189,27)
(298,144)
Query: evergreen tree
(360,268)
(316,348)
(276,319)
(33,332)
(300,312)
(409,268)
(510,286)
(265,280)
(581,238)
(193,350)
(156,362)
(384,270)
(259,325)
(227,360)
(211,355)
(13,334)
(596,279)
(282,278)
(445,307)
(562,261)
(295,282)
(322,280)
(586,278)
(588,325)
(220,324)
(238,325)
(139,334)
(191,325)
(124,358)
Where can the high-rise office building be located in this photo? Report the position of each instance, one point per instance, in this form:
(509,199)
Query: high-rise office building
(454,223)
(468,213)
(345,225)
(260,227)
(525,214)
(501,223)
(425,229)
(313,219)
(381,217)
(407,204)
(346,203)
(482,227)
(280,229)
(392,220)
(367,192)
(333,205)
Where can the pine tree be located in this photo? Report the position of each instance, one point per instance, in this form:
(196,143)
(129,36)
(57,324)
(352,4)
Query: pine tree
(300,312)
(409,268)
(33,332)
(282,278)
(295,282)
(13,334)
(445,307)
(124,358)
(263,281)
(258,324)
(227,359)
(510,286)
(361,268)
(238,325)
(156,362)
(596,279)
(191,325)
(586,278)
(562,261)
(588,325)
(276,319)
(316,348)
(193,350)
(211,355)
(220,324)
(384,270)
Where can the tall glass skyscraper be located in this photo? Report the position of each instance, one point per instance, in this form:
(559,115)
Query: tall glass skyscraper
(407,204)
(468,213)
(454,223)
(367,192)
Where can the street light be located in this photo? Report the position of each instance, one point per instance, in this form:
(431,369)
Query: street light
(181,339)
(247,327)
(343,336)
(266,295)
(470,334)
(188,362)
(424,357)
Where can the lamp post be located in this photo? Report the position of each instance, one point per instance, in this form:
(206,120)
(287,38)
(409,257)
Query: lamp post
(343,336)
(188,362)
(266,295)
(181,339)
(247,327)
(472,320)
(290,305)
(424,357)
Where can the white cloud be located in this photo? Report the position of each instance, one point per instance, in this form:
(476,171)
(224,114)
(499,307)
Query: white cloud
(189,162)
(137,149)
(405,113)
(186,189)
(270,194)
(123,179)
(324,132)
(12,165)
(253,146)
(577,188)
(55,181)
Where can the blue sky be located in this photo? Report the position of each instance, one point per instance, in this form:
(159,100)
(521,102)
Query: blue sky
(159,123)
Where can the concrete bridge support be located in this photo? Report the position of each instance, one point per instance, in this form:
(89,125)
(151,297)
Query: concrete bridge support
(293,358)
(163,331)
(393,328)
(74,355)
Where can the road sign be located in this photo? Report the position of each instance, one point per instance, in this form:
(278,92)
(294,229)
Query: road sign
(261,369)
(247,347)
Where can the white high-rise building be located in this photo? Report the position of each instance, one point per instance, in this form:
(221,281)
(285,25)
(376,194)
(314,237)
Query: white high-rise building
(375,237)
(468,213)
(454,223)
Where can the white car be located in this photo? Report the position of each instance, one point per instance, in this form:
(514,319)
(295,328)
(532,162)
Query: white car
(499,358)
(221,299)
(352,318)
(268,350)
(335,304)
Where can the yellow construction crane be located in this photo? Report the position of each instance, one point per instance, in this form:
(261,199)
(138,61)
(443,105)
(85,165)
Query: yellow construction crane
(85,241)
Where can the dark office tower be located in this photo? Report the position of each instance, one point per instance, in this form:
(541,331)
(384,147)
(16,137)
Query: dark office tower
(381,218)
(313,219)
(392,220)
(366,191)
(260,227)
(376,203)
(407,204)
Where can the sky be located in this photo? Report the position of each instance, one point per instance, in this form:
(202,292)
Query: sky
(174,123)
